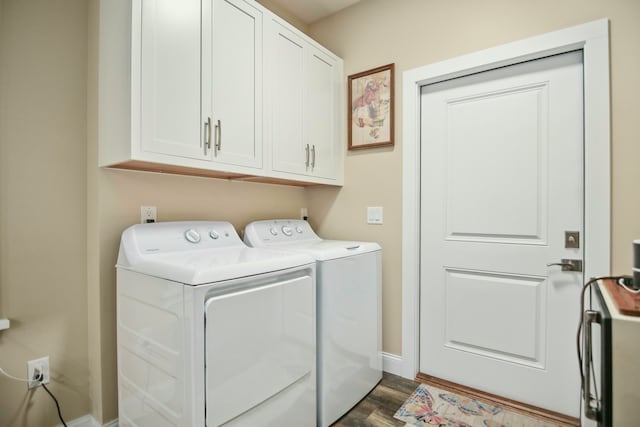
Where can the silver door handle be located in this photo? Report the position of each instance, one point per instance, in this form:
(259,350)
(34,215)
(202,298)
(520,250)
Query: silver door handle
(218,144)
(591,405)
(306,150)
(313,156)
(207,135)
(568,264)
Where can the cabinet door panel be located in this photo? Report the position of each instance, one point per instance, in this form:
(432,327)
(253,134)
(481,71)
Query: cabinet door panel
(287,100)
(236,96)
(170,78)
(320,109)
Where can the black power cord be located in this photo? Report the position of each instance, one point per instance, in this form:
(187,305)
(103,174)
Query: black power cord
(39,377)
(57,404)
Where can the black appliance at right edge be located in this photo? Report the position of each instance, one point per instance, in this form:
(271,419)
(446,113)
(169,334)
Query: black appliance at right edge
(612,354)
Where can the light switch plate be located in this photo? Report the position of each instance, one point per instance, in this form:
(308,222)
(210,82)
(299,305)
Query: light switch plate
(374,215)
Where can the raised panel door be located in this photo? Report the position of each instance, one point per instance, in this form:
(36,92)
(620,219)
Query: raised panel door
(502,180)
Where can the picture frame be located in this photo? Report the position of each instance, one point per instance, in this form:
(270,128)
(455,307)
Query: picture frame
(371,108)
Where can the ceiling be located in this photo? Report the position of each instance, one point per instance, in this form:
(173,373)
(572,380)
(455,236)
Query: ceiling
(310,11)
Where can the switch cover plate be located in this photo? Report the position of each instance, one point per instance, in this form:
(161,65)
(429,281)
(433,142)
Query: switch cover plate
(374,215)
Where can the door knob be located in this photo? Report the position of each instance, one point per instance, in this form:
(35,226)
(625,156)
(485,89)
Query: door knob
(568,264)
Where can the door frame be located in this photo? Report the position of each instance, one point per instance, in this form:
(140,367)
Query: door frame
(593,39)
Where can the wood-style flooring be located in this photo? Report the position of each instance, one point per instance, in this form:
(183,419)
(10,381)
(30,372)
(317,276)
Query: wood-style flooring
(377,409)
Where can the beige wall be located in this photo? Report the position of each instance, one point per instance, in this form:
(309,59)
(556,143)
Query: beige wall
(413,33)
(43,55)
(62,301)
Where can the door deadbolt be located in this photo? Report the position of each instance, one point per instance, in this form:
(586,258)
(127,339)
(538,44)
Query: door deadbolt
(571,239)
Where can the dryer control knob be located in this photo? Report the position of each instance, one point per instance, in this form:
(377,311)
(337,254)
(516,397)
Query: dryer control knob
(214,234)
(299,229)
(273,231)
(287,230)
(192,235)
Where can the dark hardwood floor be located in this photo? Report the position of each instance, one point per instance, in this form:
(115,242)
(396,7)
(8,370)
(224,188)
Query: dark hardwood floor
(377,409)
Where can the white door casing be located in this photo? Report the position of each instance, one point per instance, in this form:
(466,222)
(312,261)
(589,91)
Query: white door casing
(501,182)
(592,38)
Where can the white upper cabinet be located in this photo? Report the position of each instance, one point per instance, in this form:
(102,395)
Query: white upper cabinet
(321,113)
(232,82)
(218,88)
(170,90)
(305,114)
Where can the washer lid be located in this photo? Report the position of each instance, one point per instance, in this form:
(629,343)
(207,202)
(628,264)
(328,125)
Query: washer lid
(324,250)
(198,252)
(297,235)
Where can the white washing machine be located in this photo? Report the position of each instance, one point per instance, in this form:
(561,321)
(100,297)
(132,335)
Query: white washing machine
(211,332)
(348,306)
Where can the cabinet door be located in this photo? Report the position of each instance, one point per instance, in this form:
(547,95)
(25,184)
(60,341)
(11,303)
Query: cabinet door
(321,108)
(286,99)
(232,81)
(170,78)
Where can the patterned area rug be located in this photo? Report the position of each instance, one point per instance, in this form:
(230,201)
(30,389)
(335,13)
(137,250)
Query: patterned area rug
(431,406)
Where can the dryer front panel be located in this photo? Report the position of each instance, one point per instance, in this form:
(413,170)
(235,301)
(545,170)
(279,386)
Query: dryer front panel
(260,353)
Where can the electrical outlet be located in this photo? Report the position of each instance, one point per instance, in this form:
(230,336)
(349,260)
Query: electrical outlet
(148,214)
(35,368)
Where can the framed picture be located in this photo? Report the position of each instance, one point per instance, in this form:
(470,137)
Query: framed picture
(371,107)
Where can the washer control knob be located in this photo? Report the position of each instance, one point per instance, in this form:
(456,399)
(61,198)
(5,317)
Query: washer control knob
(273,231)
(299,229)
(192,235)
(287,230)
(214,234)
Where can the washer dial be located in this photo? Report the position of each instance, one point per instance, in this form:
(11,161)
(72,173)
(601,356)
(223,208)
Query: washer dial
(192,235)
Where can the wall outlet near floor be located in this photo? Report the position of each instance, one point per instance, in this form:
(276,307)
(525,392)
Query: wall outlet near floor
(148,214)
(374,215)
(38,372)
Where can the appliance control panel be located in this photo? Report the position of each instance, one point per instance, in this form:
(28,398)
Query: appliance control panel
(160,237)
(278,230)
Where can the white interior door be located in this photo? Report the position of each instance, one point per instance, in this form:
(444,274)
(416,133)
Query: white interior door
(501,182)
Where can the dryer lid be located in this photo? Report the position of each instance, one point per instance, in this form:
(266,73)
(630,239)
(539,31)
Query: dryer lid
(197,252)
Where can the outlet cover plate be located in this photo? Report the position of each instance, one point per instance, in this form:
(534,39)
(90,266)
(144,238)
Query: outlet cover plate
(148,214)
(32,365)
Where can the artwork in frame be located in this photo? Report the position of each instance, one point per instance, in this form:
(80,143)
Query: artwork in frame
(371,107)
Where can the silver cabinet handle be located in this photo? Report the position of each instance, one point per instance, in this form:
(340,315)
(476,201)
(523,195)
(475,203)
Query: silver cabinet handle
(218,144)
(590,411)
(568,264)
(313,156)
(306,150)
(207,135)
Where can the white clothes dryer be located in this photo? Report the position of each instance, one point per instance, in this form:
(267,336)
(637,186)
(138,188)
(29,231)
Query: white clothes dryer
(349,330)
(211,332)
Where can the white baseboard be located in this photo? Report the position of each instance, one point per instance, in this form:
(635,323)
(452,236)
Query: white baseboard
(89,421)
(393,364)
